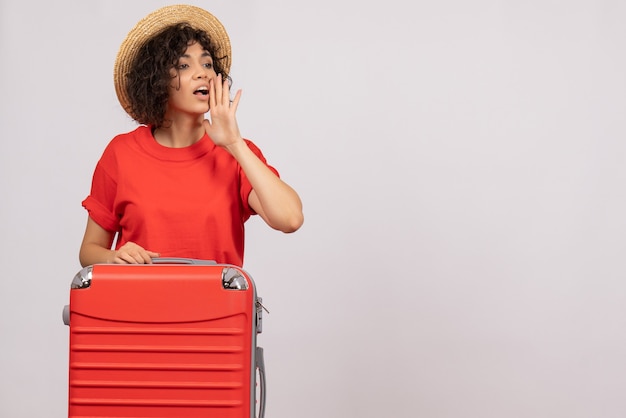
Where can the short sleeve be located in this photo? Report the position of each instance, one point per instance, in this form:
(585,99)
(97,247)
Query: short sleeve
(101,201)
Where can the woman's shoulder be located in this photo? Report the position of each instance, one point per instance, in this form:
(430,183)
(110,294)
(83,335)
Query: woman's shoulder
(139,133)
(123,141)
(124,144)
(255,149)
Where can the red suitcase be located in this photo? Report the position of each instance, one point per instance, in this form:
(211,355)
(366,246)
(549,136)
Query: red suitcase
(172,339)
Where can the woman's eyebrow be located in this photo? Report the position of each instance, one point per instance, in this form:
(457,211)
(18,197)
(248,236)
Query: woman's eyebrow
(205,53)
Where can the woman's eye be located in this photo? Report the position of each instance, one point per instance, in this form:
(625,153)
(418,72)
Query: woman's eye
(208,65)
(182,66)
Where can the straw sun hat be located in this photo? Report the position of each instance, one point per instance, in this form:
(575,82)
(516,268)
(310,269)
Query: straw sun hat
(154,23)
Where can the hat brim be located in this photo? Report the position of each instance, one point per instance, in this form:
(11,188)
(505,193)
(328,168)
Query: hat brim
(154,23)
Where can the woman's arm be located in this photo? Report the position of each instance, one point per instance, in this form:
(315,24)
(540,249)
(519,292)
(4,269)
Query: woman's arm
(273,199)
(96,248)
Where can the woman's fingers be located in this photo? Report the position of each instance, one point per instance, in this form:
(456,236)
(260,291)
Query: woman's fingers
(131,253)
(235,101)
(219,92)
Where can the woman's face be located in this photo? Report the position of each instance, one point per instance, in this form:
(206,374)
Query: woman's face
(189,87)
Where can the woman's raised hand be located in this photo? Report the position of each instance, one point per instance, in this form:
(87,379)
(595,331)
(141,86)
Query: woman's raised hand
(222,127)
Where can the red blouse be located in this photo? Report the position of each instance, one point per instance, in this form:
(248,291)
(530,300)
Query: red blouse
(180,202)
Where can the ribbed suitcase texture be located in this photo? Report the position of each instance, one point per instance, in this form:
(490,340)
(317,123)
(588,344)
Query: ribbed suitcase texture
(163,340)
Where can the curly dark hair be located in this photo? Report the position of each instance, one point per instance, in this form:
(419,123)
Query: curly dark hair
(150,73)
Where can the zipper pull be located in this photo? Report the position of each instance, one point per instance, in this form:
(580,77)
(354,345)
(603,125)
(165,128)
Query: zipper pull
(259,304)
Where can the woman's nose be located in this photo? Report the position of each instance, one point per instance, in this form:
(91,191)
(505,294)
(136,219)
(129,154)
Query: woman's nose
(202,72)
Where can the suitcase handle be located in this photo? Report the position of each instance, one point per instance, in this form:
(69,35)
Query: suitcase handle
(260,364)
(180,260)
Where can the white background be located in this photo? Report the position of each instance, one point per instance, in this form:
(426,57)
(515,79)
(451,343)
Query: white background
(462,170)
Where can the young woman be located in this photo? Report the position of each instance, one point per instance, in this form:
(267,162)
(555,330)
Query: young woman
(180,185)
